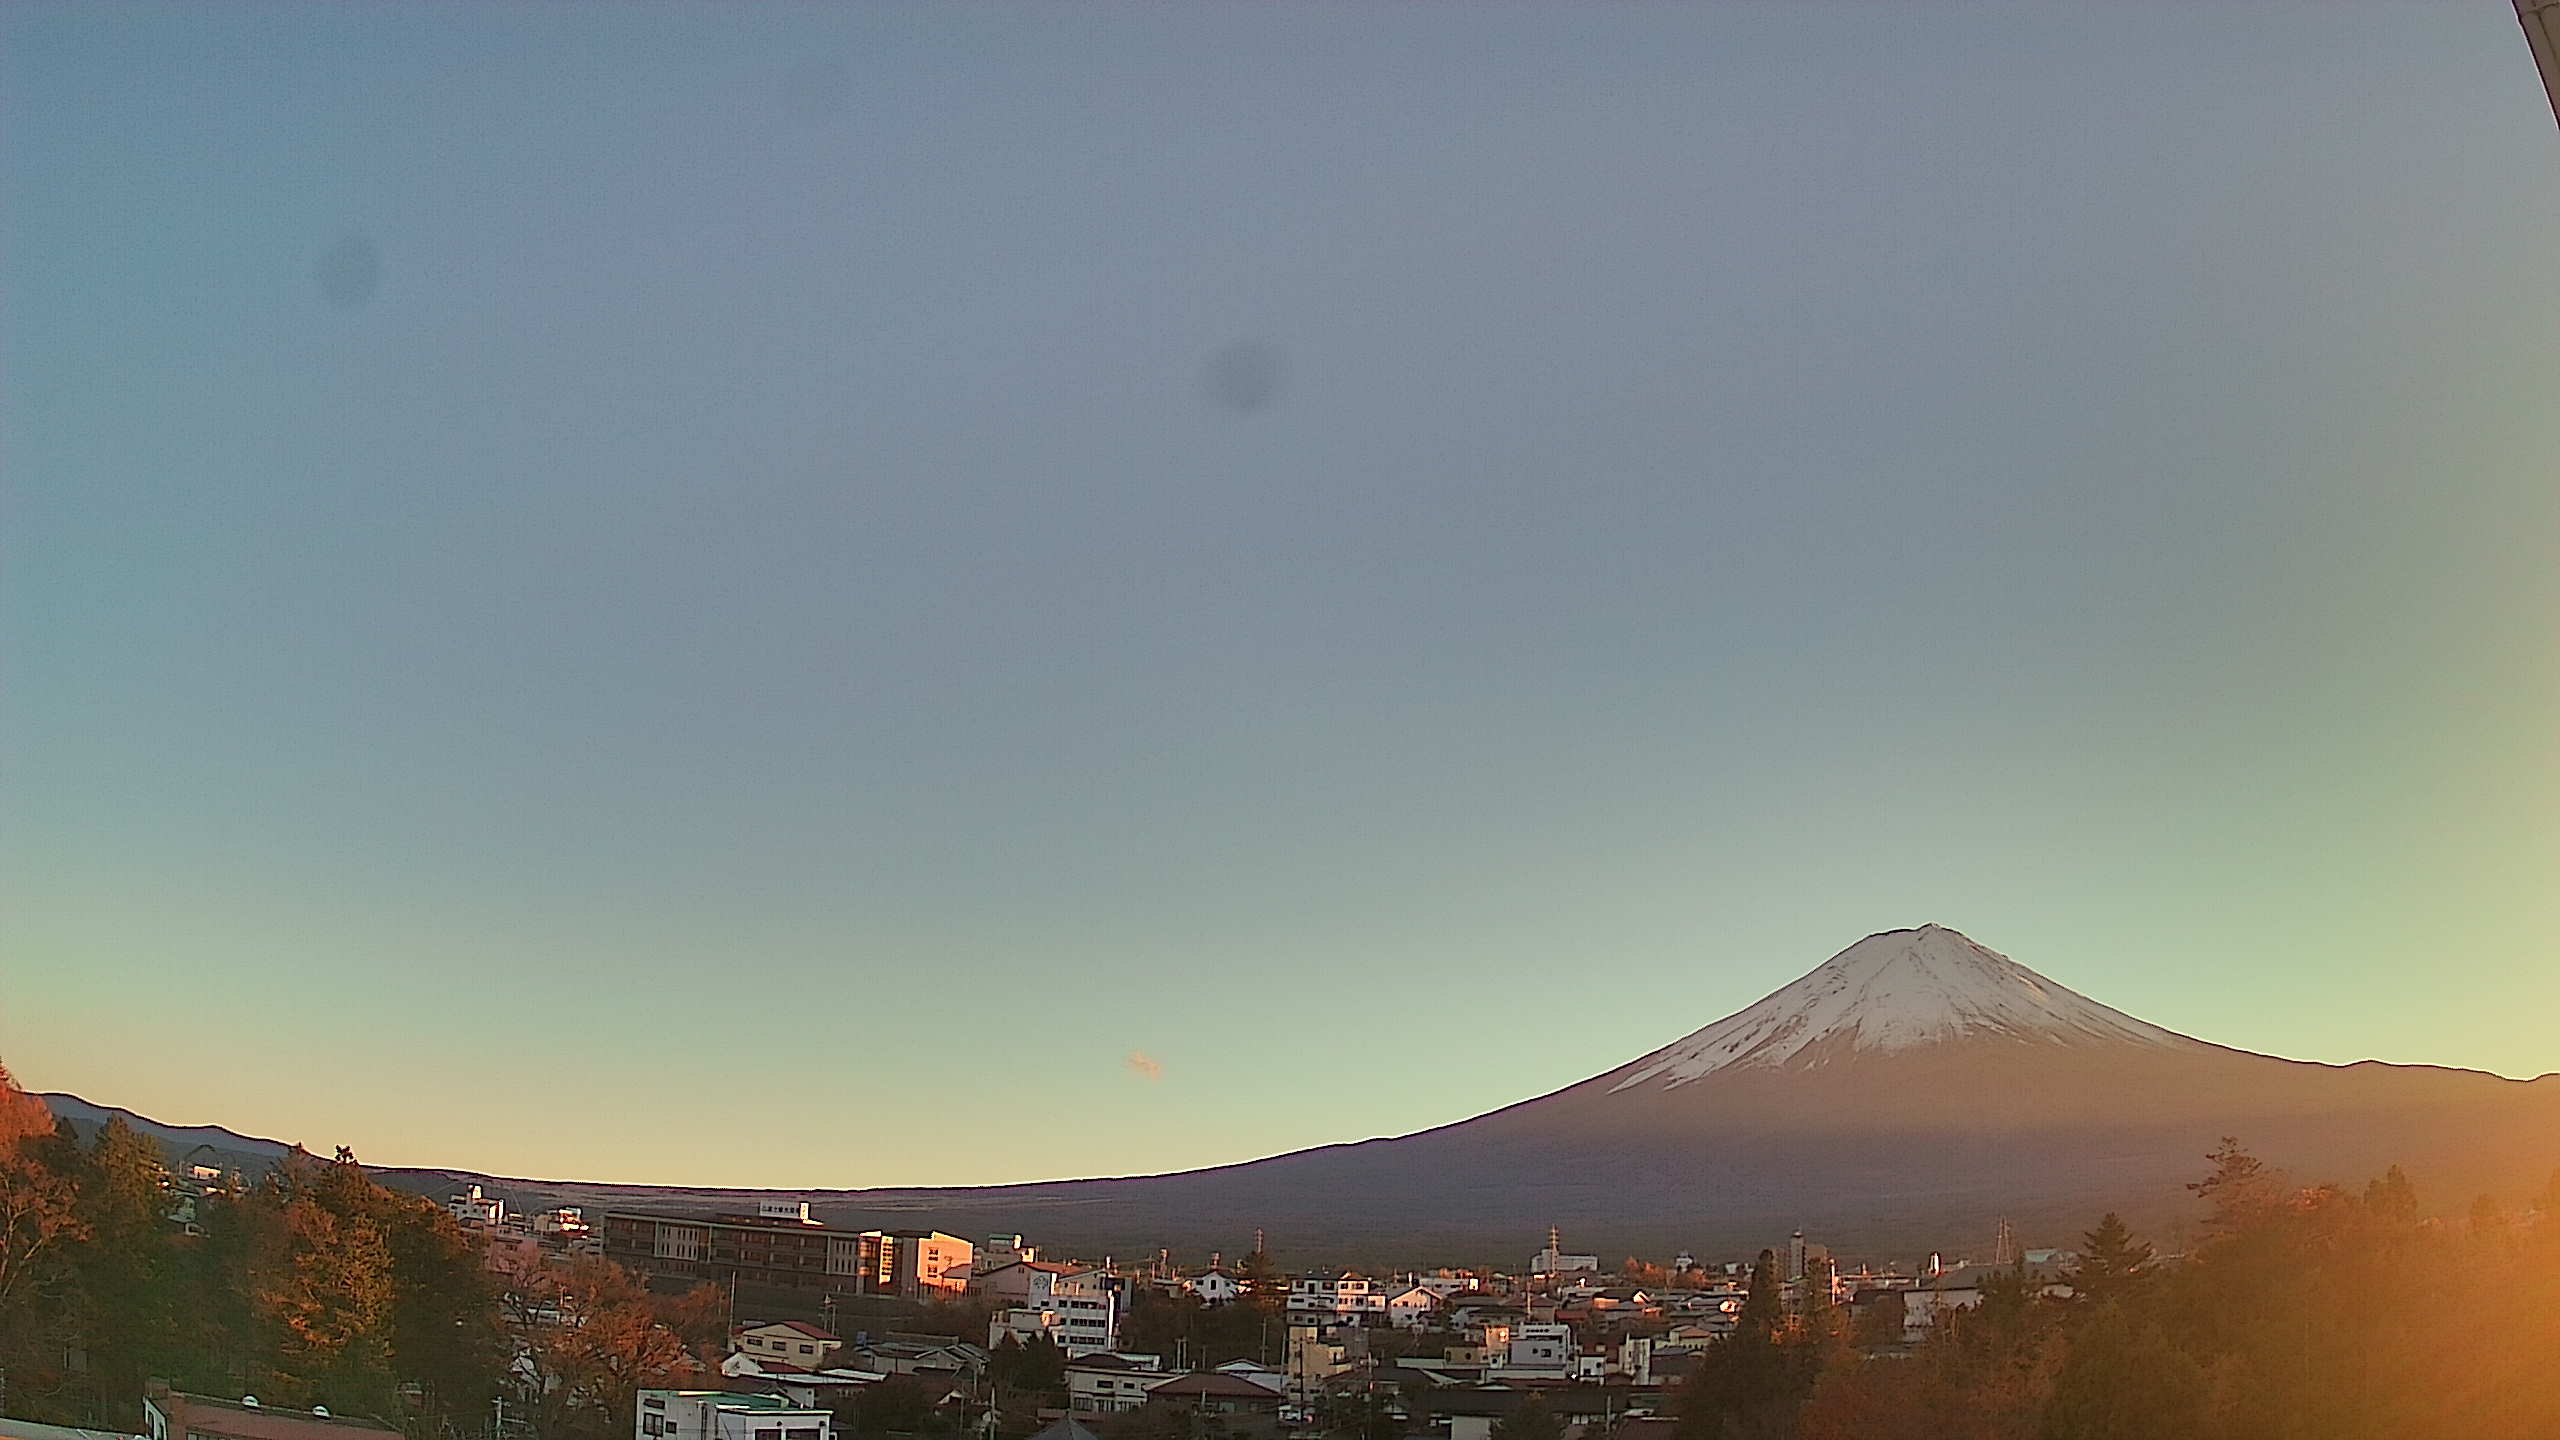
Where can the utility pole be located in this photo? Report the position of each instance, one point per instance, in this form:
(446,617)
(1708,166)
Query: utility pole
(2541,21)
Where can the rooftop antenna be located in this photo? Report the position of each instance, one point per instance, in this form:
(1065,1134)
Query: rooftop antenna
(2004,1244)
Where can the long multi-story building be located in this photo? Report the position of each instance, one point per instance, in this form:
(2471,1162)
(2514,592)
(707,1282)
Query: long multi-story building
(782,1247)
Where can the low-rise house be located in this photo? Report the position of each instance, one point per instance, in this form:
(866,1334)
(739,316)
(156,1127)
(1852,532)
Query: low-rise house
(1214,1287)
(1448,1283)
(1409,1307)
(1537,1352)
(1472,1411)
(1065,1427)
(793,1343)
(930,1358)
(1259,1373)
(1924,1305)
(830,1390)
(175,1415)
(1109,1384)
(1312,1361)
(1241,1407)
(1473,1312)
(726,1415)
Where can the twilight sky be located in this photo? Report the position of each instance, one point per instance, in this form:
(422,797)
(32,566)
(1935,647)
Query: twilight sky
(952,594)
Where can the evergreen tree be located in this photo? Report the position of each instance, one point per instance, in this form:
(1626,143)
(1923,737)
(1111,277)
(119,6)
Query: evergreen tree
(2240,1190)
(1265,1288)
(2392,1197)
(2112,1264)
(2124,1381)
(2488,1217)
(124,1272)
(1762,1306)
(1747,1386)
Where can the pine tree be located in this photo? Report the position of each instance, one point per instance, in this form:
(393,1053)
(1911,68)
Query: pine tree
(1762,1307)
(1747,1384)
(2123,1381)
(1817,1316)
(2113,1264)
(2488,1217)
(124,1270)
(2241,1188)
(2392,1197)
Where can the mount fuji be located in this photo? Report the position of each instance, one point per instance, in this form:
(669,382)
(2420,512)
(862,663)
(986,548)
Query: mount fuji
(1904,1095)
(1901,990)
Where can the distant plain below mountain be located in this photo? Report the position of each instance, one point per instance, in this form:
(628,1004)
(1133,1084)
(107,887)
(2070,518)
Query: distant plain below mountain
(1903,1096)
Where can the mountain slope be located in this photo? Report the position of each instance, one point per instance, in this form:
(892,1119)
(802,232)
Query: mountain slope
(89,1117)
(1898,1098)
(1891,992)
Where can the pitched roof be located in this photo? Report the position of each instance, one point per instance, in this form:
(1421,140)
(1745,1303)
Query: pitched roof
(30,1430)
(796,1327)
(1213,1384)
(1065,1428)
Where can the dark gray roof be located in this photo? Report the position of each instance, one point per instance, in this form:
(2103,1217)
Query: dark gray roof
(1066,1428)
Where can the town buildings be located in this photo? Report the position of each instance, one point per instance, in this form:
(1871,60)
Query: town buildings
(780,1246)
(1074,1306)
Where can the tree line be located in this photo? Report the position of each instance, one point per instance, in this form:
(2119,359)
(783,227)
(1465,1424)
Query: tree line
(312,1286)
(2307,1312)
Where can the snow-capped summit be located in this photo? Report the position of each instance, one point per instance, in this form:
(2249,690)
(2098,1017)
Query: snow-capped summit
(1896,991)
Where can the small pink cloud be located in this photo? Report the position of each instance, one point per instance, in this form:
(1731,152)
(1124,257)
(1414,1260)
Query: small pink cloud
(1144,1066)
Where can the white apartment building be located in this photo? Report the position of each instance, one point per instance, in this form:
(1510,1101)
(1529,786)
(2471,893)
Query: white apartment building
(720,1415)
(1537,1352)
(1343,1299)
(1075,1308)
(474,1206)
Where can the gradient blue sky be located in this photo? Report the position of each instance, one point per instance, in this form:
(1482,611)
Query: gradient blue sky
(672,594)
